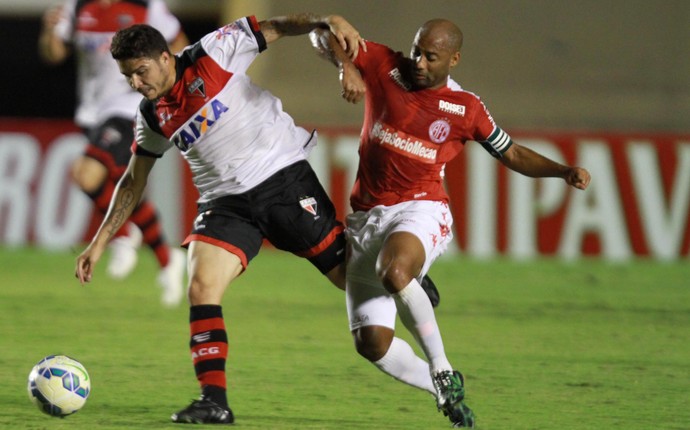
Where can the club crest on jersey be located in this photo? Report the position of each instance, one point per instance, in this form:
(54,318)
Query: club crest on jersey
(197,88)
(439,131)
(164,117)
(308,204)
(198,125)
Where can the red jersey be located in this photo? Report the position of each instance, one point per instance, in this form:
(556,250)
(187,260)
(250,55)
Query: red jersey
(408,135)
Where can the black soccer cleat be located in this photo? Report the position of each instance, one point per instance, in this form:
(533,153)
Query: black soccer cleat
(204,411)
(430,289)
(450,392)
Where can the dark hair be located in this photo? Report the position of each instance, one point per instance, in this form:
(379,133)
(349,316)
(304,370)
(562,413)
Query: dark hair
(138,41)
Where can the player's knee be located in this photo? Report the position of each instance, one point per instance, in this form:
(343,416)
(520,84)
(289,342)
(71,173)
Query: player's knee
(88,174)
(202,292)
(372,342)
(370,350)
(394,277)
(77,173)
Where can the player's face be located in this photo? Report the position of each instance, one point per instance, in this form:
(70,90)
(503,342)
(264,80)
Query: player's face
(151,77)
(432,60)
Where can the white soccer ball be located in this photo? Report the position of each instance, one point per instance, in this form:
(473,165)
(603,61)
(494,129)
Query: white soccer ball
(59,385)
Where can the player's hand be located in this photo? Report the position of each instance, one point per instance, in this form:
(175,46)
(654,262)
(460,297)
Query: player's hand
(85,263)
(578,178)
(52,17)
(352,83)
(348,37)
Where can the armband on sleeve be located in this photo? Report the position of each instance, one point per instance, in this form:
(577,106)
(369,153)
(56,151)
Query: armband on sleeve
(497,143)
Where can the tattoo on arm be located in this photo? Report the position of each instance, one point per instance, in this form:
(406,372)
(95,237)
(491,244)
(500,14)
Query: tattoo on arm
(122,208)
(293,25)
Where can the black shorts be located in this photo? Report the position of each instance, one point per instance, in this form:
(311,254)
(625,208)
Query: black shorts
(290,209)
(110,143)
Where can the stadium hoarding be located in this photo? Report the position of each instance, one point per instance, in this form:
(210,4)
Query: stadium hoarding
(40,206)
(638,204)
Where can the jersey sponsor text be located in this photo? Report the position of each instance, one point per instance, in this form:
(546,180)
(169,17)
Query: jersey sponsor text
(397,78)
(449,107)
(199,124)
(404,144)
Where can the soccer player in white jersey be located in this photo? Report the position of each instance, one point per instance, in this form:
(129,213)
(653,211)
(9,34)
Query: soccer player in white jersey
(416,120)
(105,112)
(248,160)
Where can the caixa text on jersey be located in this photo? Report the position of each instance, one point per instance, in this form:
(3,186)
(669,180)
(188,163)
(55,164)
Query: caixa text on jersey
(198,125)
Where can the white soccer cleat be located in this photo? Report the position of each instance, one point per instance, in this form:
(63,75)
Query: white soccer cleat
(171,278)
(124,253)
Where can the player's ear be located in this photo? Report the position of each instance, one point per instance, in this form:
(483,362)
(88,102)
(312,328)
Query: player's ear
(455,59)
(164,58)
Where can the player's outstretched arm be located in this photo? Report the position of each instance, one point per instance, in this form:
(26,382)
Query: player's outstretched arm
(529,163)
(293,25)
(127,196)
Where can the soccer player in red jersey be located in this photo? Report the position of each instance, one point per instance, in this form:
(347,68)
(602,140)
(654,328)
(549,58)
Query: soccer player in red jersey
(105,112)
(416,119)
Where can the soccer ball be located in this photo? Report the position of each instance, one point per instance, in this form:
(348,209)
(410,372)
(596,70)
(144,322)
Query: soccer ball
(59,385)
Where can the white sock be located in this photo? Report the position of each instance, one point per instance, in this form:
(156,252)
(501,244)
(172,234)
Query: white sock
(403,364)
(418,316)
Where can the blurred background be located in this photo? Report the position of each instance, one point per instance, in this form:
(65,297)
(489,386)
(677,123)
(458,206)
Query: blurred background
(586,65)
(601,83)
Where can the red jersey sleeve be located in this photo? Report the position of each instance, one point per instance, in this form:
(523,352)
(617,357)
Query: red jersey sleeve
(370,61)
(488,134)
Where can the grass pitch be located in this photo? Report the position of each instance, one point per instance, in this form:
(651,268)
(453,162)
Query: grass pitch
(543,345)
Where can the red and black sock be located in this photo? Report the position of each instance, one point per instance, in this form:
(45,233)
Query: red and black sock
(209,347)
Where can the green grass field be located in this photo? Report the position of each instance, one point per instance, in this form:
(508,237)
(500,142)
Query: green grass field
(543,345)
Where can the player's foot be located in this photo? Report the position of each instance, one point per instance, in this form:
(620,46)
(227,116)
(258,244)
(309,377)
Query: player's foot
(430,289)
(450,391)
(123,253)
(171,278)
(204,411)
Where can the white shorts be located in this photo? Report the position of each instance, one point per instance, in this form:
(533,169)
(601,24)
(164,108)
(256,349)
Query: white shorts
(368,302)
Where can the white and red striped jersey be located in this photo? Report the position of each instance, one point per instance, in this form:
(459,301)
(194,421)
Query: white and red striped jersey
(408,136)
(89,25)
(233,134)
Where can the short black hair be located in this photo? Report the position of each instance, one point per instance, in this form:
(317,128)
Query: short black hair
(138,41)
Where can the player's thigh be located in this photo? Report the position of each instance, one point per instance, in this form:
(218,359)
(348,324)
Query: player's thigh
(211,269)
(401,258)
(227,229)
(364,241)
(88,173)
(368,302)
(430,222)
